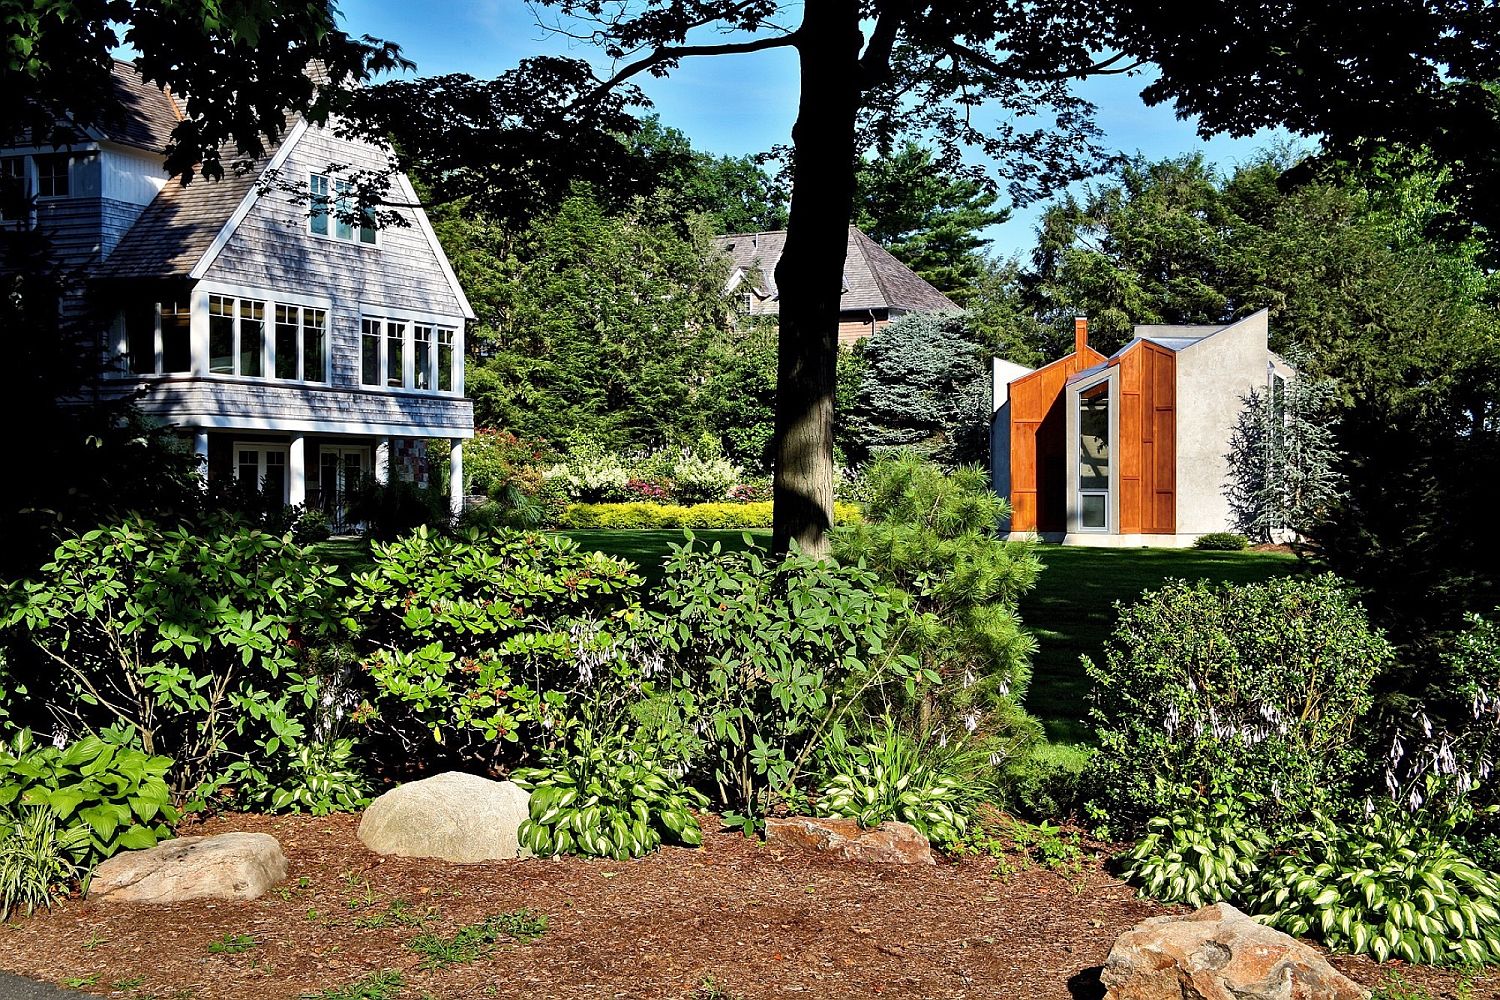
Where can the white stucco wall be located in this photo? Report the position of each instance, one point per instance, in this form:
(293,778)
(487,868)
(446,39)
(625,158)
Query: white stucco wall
(1213,378)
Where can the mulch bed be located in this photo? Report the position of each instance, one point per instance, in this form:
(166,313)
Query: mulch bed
(734,919)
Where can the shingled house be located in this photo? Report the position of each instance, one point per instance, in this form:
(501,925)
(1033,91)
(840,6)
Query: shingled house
(877,287)
(301,348)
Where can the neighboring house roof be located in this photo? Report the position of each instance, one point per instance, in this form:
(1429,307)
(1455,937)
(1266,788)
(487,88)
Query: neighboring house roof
(144,114)
(873,279)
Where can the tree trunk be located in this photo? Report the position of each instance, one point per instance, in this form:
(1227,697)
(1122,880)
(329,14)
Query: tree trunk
(810,274)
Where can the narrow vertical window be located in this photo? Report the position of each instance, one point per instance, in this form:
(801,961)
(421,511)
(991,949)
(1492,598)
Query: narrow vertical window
(369,352)
(367,225)
(317,187)
(220,335)
(52,175)
(422,356)
(1093,458)
(273,483)
(140,337)
(343,208)
(176,337)
(395,354)
(445,360)
(252,337)
(285,343)
(314,364)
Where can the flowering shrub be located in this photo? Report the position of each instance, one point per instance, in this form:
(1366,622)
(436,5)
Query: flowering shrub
(703,477)
(1260,686)
(749,492)
(592,474)
(644,489)
(648,516)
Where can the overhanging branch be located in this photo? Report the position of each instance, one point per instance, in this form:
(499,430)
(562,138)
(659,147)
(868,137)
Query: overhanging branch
(977,57)
(672,53)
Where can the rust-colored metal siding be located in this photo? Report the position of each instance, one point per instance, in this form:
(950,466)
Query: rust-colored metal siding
(1148,440)
(1038,445)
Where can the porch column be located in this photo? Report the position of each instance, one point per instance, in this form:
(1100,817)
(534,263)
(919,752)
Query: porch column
(296,471)
(456,475)
(383,460)
(200,454)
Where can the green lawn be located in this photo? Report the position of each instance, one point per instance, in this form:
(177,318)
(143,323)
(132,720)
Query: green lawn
(647,549)
(1072,613)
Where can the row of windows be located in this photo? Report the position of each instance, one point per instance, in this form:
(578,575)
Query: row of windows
(252,338)
(386,344)
(296,349)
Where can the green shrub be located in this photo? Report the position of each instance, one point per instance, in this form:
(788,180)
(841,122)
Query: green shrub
(1260,686)
(465,639)
(1221,541)
(1392,887)
(114,796)
(757,648)
(933,540)
(191,637)
(888,774)
(37,860)
(1047,782)
(598,802)
(316,778)
(1210,849)
(703,516)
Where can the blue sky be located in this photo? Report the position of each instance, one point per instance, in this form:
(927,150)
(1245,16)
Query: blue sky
(737,104)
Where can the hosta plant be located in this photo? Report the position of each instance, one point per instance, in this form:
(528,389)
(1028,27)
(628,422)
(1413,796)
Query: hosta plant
(102,786)
(601,803)
(889,774)
(1208,850)
(1392,887)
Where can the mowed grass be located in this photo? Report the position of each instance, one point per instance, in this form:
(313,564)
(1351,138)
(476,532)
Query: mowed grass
(1072,613)
(647,549)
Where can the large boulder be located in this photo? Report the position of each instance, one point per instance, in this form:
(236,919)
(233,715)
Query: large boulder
(889,843)
(1218,953)
(228,866)
(452,816)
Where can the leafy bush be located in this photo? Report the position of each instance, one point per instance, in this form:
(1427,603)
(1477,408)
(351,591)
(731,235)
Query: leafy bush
(114,795)
(888,774)
(37,860)
(317,778)
(598,803)
(389,510)
(464,639)
(933,540)
(1221,541)
(703,475)
(757,649)
(591,473)
(1210,849)
(191,637)
(1260,686)
(1392,887)
(703,516)
(1046,782)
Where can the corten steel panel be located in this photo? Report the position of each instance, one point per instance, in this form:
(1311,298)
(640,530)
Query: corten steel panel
(1164,437)
(1038,467)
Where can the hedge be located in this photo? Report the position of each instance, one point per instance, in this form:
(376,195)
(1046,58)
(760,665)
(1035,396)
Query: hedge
(644,516)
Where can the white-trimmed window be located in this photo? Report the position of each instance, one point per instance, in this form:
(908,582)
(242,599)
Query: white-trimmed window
(158,338)
(385,345)
(340,205)
(236,336)
(300,346)
(264,466)
(52,175)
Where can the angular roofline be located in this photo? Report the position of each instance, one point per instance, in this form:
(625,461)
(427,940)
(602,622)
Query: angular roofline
(232,223)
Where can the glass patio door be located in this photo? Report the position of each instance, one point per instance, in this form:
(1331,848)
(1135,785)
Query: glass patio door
(341,469)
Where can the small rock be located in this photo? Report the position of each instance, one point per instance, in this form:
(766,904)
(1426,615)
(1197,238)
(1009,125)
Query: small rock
(451,816)
(228,866)
(1219,953)
(889,843)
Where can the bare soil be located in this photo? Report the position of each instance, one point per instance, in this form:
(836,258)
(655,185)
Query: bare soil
(734,919)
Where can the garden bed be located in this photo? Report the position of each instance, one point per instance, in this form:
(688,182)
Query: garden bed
(733,920)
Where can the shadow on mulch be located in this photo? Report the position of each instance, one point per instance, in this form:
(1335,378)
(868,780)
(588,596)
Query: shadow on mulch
(1086,985)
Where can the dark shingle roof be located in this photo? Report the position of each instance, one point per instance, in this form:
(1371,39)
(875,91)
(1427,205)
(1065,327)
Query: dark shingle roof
(144,115)
(175,230)
(873,279)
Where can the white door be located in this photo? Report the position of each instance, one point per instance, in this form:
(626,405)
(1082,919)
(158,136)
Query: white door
(263,465)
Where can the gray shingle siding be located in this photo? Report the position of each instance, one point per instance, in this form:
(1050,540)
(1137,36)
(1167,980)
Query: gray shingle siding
(203,402)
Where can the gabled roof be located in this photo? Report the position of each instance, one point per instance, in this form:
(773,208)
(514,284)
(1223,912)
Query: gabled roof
(873,279)
(177,228)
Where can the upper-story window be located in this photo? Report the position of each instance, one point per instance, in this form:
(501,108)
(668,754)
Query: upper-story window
(386,344)
(340,206)
(300,348)
(52,175)
(15,193)
(158,338)
(236,336)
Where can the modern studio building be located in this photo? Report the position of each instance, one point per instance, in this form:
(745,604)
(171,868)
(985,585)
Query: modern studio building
(1128,449)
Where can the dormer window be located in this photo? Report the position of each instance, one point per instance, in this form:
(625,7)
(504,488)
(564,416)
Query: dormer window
(341,206)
